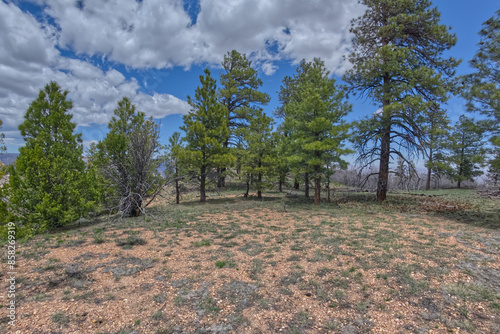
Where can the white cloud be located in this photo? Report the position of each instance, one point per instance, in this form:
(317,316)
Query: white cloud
(30,59)
(269,68)
(159,34)
(154,34)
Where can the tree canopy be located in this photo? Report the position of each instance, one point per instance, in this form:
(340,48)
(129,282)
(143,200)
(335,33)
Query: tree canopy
(50,185)
(127,158)
(314,113)
(398,63)
(206,129)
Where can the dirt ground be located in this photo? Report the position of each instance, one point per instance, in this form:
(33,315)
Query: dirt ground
(420,265)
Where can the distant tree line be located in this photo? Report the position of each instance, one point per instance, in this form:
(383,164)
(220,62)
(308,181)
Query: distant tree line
(398,64)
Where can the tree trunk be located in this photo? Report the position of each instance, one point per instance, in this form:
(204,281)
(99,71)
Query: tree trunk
(306,190)
(383,176)
(177,192)
(296,185)
(429,169)
(280,187)
(203,176)
(328,189)
(317,190)
(134,209)
(459,183)
(248,186)
(259,185)
(428,183)
(221,182)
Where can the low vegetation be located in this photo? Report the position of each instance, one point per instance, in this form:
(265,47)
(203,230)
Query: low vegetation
(242,265)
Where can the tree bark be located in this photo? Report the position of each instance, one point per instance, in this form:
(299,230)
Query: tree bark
(259,191)
(383,176)
(177,192)
(317,190)
(248,186)
(306,190)
(203,176)
(328,189)
(428,183)
(221,182)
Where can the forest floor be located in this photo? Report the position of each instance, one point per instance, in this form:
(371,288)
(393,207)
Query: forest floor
(418,263)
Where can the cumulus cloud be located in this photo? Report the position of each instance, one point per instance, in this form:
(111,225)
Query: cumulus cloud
(154,34)
(160,34)
(30,59)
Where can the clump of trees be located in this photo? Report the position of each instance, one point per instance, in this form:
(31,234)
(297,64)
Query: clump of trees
(207,129)
(313,114)
(398,63)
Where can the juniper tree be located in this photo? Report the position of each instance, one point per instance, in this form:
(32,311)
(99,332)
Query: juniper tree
(206,128)
(50,185)
(128,160)
(397,62)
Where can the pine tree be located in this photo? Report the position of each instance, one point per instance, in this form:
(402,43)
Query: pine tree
(239,93)
(282,166)
(483,86)
(206,128)
(128,160)
(467,153)
(397,62)
(50,185)
(436,129)
(314,119)
(174,166)
(258,158)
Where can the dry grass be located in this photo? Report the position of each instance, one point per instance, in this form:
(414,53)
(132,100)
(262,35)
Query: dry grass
(238,265)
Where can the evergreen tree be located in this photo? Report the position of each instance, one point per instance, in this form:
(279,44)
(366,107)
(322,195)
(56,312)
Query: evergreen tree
(50,185)
(127,159)
(483,86)
(282,166)
(314,119)
(239,93)
(397,62)
(206,128)
(258,158)
(174,166)
(436,129)
(467,153)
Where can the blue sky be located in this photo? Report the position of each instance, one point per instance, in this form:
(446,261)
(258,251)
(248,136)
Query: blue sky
(153,51)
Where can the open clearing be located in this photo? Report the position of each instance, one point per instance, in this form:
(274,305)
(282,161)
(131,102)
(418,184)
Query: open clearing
(416,264)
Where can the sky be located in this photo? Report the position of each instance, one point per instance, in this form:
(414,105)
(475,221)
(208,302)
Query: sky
(153,51)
